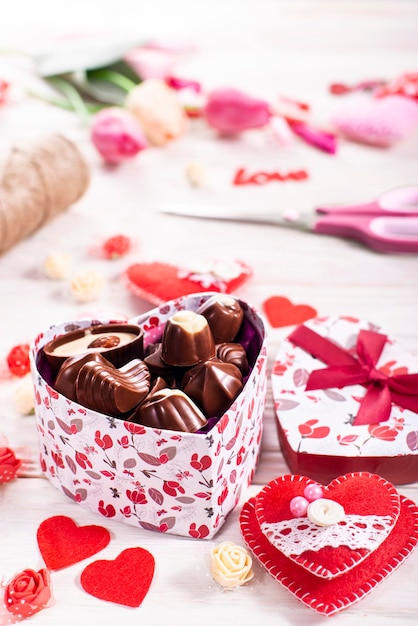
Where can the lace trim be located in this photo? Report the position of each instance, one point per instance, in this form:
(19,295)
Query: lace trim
(297,535)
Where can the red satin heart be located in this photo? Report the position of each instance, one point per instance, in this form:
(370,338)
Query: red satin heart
(330,596)
(158,282)
(63,543)
(280,311)
(359,494)
(125,580)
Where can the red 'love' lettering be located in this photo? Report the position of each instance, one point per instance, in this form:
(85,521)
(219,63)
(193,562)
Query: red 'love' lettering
(262,178)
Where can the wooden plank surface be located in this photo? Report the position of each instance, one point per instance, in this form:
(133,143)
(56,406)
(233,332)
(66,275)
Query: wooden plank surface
(266,48)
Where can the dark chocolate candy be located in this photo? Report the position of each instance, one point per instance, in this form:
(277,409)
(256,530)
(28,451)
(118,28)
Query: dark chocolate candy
(187,340)
(68,372)
(169,409)
(213,385)
(112,391)
(233,353)
(224,315)
(119,343)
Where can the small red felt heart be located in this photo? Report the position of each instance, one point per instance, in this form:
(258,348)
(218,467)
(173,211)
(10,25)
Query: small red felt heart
(62,543)
(282,312)
(125,580)
(367,499)
(158,282)
(330,596)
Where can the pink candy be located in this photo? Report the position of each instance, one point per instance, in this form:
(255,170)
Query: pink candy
(299,504)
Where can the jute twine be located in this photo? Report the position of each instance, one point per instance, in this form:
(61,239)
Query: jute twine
(38,182)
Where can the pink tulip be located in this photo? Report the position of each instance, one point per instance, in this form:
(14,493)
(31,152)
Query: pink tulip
(117,135)
(231,111)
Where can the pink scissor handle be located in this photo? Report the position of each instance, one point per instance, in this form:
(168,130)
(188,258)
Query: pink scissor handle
(384,234)
(399,201)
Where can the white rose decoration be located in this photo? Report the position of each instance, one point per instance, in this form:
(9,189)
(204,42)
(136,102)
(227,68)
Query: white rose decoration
(230,565)
(87,286)
(323,512)
(24,396)
(57,266)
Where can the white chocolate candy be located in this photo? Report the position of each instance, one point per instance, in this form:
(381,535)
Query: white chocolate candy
(323,512)
(230,565)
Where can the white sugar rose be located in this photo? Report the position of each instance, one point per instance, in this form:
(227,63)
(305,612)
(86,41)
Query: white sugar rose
(87,286)
(323,512)
(230,565)
(57,266)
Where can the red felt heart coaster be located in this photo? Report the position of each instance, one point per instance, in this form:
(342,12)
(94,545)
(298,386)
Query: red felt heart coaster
(330,596)
(371,507)
(282,312)
(125,580)
(62,543)
(158,282)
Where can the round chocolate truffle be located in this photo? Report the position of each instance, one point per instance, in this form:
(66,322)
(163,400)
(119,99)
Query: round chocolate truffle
(187,339)
(224,315)
(213,385)
(170,409)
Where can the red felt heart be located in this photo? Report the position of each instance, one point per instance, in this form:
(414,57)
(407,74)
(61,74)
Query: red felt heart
(330,596)
(282,312)
(360,495)
(125,580)
(63,543)
(158,282)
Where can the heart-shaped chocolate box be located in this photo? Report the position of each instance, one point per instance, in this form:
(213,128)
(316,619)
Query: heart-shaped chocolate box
(317,428)
(163,480)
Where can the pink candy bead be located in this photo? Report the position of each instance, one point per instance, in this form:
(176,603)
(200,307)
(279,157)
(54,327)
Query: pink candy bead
(313,492)
(299,506)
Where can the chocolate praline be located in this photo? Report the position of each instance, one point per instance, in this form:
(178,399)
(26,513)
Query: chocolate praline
(187,340)
(112,391)
(224,315)
(119,343)
(169,409)
(213,385)
(68,372)
(233,353)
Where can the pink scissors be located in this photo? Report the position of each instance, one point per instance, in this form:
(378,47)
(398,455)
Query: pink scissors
(388,224)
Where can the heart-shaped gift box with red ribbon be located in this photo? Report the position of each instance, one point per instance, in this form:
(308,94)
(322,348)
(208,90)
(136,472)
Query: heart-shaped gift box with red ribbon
(182,483)
(346,400)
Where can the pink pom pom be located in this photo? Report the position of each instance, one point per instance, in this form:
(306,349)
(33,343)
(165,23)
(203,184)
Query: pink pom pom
(379,122)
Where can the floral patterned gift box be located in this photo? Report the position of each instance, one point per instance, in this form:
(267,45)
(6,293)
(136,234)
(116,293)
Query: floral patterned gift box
(162,480)
(346,399)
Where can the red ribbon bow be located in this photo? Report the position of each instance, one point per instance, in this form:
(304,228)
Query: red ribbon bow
(346,369)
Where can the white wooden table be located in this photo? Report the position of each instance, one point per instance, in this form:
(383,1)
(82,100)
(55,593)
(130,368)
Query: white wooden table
(264,47)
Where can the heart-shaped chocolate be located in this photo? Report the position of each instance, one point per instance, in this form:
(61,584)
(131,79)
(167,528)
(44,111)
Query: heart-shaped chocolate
(371,507)
(125,580)
(330,596)
(63,543)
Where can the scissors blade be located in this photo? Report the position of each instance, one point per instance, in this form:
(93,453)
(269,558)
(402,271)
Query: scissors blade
(287,219)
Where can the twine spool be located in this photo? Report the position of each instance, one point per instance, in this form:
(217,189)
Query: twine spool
(39,182)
